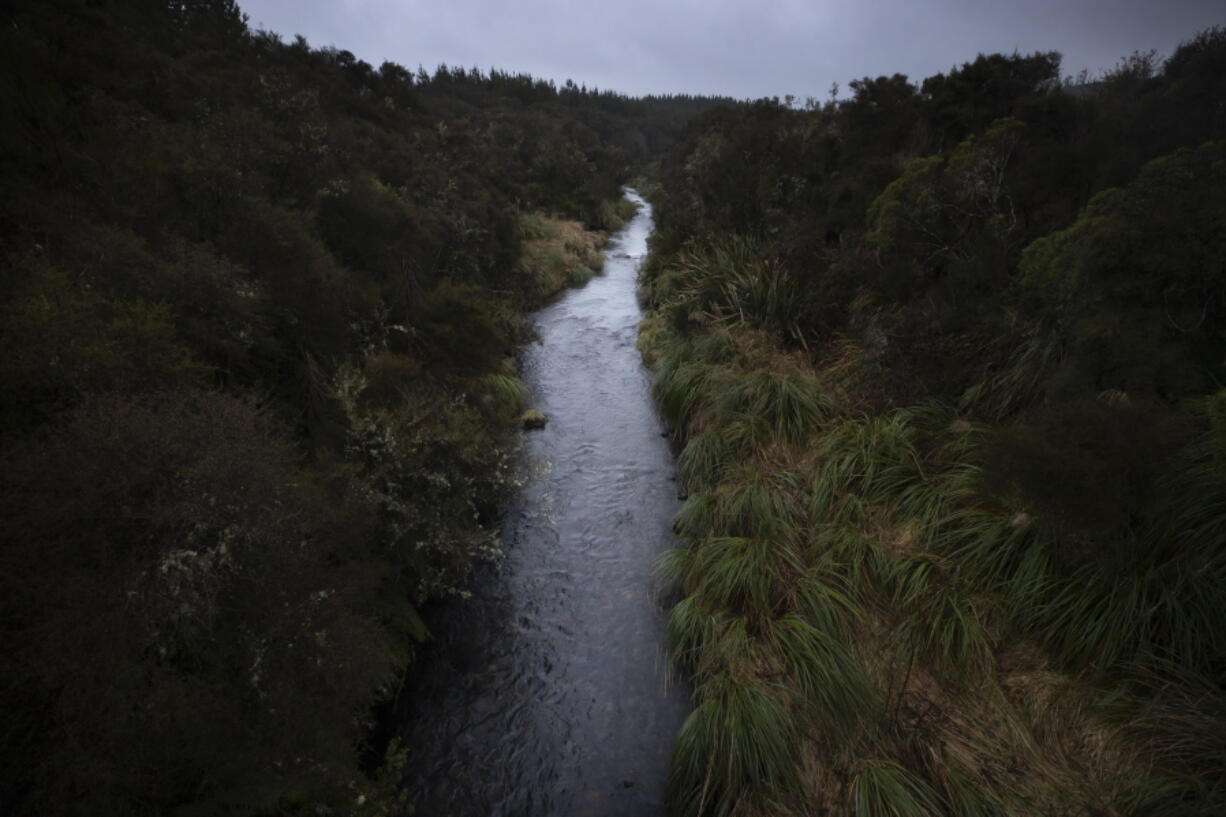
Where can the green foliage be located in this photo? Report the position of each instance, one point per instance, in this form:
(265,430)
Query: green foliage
(460,332)
(1130,287)
(504,395)
(885,789)
(386,795)
(258,310)
(1007,607)
(703,460)
(740,575)
(833,686)
(239,584)
(941,624)
(1087,465)
(613,215)
(558,254)
(954,211)
(735,747)
(60,342)
(967,99)
(793,403)
(729,279)
(968,797)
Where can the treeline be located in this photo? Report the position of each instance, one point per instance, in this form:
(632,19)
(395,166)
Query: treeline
(259,306)
(947,361)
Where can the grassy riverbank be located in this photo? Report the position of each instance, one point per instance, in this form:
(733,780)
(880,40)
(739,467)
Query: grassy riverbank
(560,253)
(870,634)
(953,541)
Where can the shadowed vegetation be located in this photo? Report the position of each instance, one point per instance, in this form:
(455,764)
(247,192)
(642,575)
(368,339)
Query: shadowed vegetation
(259,310)
(945,363)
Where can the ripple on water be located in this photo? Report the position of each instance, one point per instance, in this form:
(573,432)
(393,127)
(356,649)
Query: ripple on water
(545,693)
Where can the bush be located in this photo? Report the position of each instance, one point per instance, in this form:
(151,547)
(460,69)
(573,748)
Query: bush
(169,546)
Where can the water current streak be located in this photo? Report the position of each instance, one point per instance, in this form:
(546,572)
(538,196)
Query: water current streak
(545,693)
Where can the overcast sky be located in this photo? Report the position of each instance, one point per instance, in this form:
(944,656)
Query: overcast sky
(741,48)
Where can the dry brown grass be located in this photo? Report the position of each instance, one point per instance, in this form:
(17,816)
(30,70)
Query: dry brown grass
(1023,731)
(994,728)
(560,253)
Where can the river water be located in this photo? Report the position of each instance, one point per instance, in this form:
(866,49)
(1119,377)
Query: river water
(546,693)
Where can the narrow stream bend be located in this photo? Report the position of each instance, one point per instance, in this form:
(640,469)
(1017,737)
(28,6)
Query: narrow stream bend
(545,694)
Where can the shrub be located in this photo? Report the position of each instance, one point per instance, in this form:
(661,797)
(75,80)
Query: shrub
(169,546)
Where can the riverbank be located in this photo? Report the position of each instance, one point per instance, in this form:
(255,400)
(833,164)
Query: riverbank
(559,253)
(869,629)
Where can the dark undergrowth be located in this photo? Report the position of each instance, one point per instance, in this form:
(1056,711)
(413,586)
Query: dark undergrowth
(259,310)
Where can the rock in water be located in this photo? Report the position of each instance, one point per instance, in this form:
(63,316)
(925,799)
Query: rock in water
(533,418)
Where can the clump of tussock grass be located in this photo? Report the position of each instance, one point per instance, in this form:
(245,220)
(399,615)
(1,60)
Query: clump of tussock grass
(743,575)
(834,690)
(1180,716)
(875,460)
(883,788)
(696,519)
(758,503)
(951,630)
(692,630)
(1180,712)
(1156,599)
(670,570)
(505,394)
(825,597)
(1150,612)
(744,435)
(613,215)
(731,280)
(580,274)
(995,549)
(969,796)
(704,460)
(792,403)
(683,388)
(715,346)
(534,227)
(854,570)
(735,749)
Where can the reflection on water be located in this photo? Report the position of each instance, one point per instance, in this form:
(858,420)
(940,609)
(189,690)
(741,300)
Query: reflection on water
(545,694)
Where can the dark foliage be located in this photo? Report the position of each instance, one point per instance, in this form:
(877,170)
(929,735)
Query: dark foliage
(1006,291)
(258,307)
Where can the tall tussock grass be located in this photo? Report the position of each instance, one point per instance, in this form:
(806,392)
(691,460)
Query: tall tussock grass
(730,279)
(904,613)
(735,751)
(882,788)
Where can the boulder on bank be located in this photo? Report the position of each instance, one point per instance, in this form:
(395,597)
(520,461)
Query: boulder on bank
(532,419)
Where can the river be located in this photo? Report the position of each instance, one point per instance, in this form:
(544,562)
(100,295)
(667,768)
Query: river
(546,694)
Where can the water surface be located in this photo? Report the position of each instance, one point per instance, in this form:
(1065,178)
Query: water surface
(545,694)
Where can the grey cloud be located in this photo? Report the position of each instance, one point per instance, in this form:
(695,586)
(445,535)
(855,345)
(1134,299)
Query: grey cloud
(744,48)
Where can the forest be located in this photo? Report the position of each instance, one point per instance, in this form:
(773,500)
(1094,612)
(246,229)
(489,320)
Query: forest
(259,309)
(947,362)
(944,363)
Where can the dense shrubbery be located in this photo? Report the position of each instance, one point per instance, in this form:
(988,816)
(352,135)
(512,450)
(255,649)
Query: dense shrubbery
(258,309)
(947,364)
